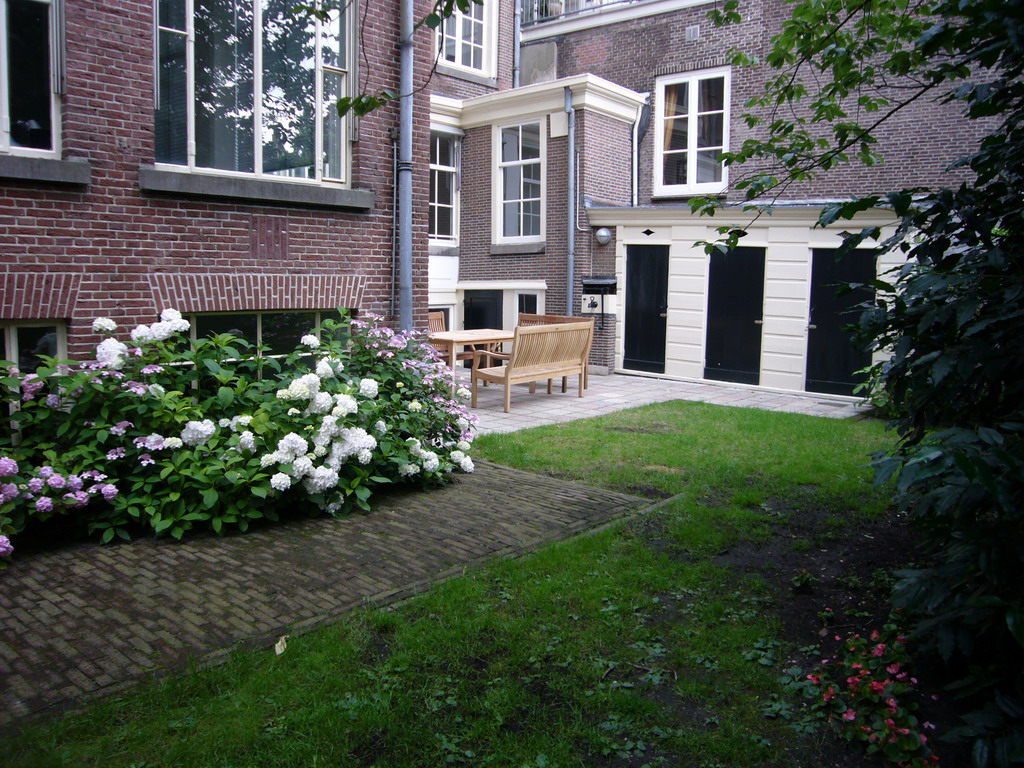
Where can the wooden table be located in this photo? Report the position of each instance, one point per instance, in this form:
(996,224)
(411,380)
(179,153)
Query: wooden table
(476,337)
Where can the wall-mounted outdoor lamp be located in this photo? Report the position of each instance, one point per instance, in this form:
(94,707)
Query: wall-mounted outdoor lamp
(603,236)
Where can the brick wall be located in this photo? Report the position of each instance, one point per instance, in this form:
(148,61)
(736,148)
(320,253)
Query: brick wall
(111,249)
(917,144)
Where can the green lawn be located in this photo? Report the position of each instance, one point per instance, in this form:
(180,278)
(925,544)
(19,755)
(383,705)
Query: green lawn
(628,647)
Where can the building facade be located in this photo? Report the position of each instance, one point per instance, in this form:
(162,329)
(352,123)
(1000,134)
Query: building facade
(187,154)
(565,200)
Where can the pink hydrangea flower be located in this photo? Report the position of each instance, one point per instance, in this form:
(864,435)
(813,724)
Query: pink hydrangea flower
(6,548)
(8,466)
(44,504)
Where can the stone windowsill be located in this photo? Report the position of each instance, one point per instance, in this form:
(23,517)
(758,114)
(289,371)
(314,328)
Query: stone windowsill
(153,179)
(516,249)
(75,171)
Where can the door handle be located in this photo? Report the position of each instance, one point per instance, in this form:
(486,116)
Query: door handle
(759,322)
(663,314)
(811,327)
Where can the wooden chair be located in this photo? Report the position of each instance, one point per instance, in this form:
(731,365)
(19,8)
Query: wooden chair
(528,320)
(436,324)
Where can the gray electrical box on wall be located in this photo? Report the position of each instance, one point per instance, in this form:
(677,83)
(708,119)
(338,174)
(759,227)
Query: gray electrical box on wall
(598,296)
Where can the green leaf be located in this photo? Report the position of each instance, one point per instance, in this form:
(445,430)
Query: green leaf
(225,396)
(107,536)
(210,497)
(259,491)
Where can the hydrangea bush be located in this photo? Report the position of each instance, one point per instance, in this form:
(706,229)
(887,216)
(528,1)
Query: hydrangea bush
(169,435)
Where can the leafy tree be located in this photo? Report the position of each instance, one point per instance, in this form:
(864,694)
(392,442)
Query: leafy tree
(950,322)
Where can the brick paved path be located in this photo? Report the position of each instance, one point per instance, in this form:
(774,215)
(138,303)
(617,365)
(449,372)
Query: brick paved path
(89,620)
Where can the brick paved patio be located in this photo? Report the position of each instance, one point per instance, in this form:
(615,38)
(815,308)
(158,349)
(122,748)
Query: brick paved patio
(88,620)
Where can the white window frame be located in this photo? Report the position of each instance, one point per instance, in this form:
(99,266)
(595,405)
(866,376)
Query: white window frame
(9,329)
(498,183)
(692,78)
(454,27)
(56,87)
(318,150)
(456,172)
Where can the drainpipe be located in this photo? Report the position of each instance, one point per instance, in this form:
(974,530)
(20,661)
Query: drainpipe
(405,166)
(516,37)
(570,175)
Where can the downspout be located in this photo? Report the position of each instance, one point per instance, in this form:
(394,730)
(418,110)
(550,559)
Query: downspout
(405,165)
(516,38)
(570,195)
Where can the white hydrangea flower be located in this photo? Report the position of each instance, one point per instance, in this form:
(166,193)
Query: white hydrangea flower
(463,445)
(247,442)
(244,420)
(320,451)
(364,456)
(310,341)
(293,411)
(457,456)
(140,334)
(173,319)
(271,458)
(463,423)
(302,466)
(302,388)
(324,370)
(322,479)
(368,388)
(173,442)
(111,353)
(344,405)
(381,427)
(463,393)
(335,363)
(156,390)
(466,465)
(161,331)
(407,470)
(292,445)
(415,406)
(322,402)
(103,325)
(224,423)
(198,432)
(280,482)
(430,461)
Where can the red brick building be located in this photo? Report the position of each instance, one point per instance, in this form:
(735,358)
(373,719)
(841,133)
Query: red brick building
(586,167)
(186,154)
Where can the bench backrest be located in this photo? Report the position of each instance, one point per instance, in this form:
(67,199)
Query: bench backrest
(551,343)
(527,319)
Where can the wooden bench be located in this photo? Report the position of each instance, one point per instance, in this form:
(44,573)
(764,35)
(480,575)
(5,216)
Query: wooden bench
(539,352)
(528,319)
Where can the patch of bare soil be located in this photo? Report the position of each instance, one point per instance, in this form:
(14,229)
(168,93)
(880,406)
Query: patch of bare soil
(834,580)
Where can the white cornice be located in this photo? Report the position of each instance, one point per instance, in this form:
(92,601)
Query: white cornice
(589,92)
(445,112)
(601,15)
(610,216)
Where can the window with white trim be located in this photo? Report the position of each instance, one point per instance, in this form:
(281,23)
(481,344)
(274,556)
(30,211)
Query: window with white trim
(443,212)
(29,108)
(691,133)
(249,87)
(521,182)
(25,342)
(465,39)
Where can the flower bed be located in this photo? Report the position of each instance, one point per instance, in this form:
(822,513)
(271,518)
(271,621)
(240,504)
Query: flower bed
(167,435)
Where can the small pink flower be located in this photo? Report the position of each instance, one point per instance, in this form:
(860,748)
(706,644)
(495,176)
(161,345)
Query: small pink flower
(145,460)
(927,725)
(816,679)
(879,650)
(892,669)
(849,715)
